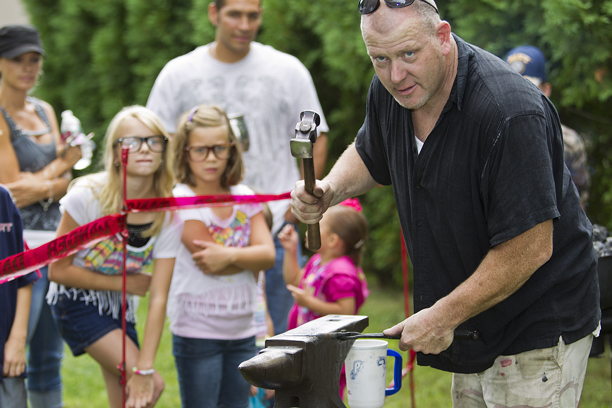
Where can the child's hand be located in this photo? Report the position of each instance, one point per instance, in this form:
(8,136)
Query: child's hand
(14,358)
(212,258)
(138,284)
(139,389)
(289,238)
(300,296)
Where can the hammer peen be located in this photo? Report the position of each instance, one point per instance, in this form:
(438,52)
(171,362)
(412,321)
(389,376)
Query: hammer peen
(301,147)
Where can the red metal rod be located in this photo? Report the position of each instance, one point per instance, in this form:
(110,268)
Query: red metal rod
(412,354)
(124,235)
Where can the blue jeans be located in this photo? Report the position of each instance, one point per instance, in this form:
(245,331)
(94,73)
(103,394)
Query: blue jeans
(208,373)
(278,297)
(46,347)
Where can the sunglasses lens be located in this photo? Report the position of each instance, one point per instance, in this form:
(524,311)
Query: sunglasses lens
(399,4)
(368,6)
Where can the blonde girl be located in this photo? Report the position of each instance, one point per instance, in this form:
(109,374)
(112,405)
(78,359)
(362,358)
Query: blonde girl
(86,299)
(213,293)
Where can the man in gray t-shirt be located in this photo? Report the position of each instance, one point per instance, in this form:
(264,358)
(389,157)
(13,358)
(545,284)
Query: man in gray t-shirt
(270,89)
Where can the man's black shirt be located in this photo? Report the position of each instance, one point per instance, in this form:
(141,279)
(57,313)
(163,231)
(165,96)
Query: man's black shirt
(491,169)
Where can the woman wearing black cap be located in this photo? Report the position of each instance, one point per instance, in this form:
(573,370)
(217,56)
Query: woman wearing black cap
(37,177)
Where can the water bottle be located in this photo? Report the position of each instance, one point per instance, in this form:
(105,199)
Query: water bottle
(72,134)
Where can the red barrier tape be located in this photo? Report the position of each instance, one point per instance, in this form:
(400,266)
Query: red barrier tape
(68,244)
(102,228)
(183,203)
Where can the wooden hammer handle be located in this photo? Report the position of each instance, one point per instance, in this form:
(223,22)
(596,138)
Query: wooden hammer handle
(314,233)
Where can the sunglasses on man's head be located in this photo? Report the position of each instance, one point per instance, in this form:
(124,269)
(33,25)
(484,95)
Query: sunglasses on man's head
(370,6)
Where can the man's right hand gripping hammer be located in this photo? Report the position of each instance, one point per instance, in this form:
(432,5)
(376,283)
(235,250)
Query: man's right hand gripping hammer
(301,147)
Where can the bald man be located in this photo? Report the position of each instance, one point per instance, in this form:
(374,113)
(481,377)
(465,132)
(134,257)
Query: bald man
(475,157)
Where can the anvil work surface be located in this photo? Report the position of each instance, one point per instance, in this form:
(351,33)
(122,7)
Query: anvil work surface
(303,365)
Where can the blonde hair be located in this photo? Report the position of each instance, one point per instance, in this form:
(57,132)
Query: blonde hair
(205,116)
(108,190)
(352,228)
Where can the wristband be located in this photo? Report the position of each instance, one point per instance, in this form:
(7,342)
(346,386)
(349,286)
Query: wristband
(143,372)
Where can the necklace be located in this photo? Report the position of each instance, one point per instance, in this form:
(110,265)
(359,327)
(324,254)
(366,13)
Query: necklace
(36,133)
(32,133)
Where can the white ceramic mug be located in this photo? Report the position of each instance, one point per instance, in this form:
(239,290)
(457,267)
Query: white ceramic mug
(366,373)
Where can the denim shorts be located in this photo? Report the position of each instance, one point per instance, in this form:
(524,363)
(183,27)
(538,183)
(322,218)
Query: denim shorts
(81,325)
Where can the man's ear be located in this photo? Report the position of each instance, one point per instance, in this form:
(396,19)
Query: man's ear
(444,36)
(213,13)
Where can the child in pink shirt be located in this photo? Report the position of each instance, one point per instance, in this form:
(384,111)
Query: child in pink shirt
(332,281)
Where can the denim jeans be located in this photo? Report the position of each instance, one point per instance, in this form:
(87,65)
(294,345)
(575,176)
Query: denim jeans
(13,393)
(278,297)
(208,373)
(46,347)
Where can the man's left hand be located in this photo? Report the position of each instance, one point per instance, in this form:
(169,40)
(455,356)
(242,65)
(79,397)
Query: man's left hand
(423,332)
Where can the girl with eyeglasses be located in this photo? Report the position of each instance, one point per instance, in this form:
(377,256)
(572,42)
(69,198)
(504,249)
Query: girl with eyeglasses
(213,293)
(86,294)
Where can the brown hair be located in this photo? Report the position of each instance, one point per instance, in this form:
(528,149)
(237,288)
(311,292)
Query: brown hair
(205,116)
(352,228)
(220,3)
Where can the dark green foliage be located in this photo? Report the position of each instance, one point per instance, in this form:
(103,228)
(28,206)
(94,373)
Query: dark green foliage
(106,54)
(576,38)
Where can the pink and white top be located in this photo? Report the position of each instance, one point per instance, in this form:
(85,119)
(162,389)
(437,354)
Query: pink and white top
(210,306)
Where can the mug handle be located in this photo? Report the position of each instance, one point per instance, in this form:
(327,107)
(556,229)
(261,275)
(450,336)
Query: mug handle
(397,372)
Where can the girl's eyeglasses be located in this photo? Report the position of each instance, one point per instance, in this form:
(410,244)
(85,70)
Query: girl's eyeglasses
(200,153)
(370,6)
(156,144)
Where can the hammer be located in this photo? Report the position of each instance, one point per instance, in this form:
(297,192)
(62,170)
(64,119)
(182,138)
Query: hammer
(301,147)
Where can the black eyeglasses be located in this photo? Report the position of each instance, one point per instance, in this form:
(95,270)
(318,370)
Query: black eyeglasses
(156,144)
(199,153)
(370,6)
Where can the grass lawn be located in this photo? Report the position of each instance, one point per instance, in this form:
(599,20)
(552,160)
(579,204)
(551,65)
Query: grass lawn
(84,387)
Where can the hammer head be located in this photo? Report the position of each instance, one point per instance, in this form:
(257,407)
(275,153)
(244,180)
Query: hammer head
(305,135)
